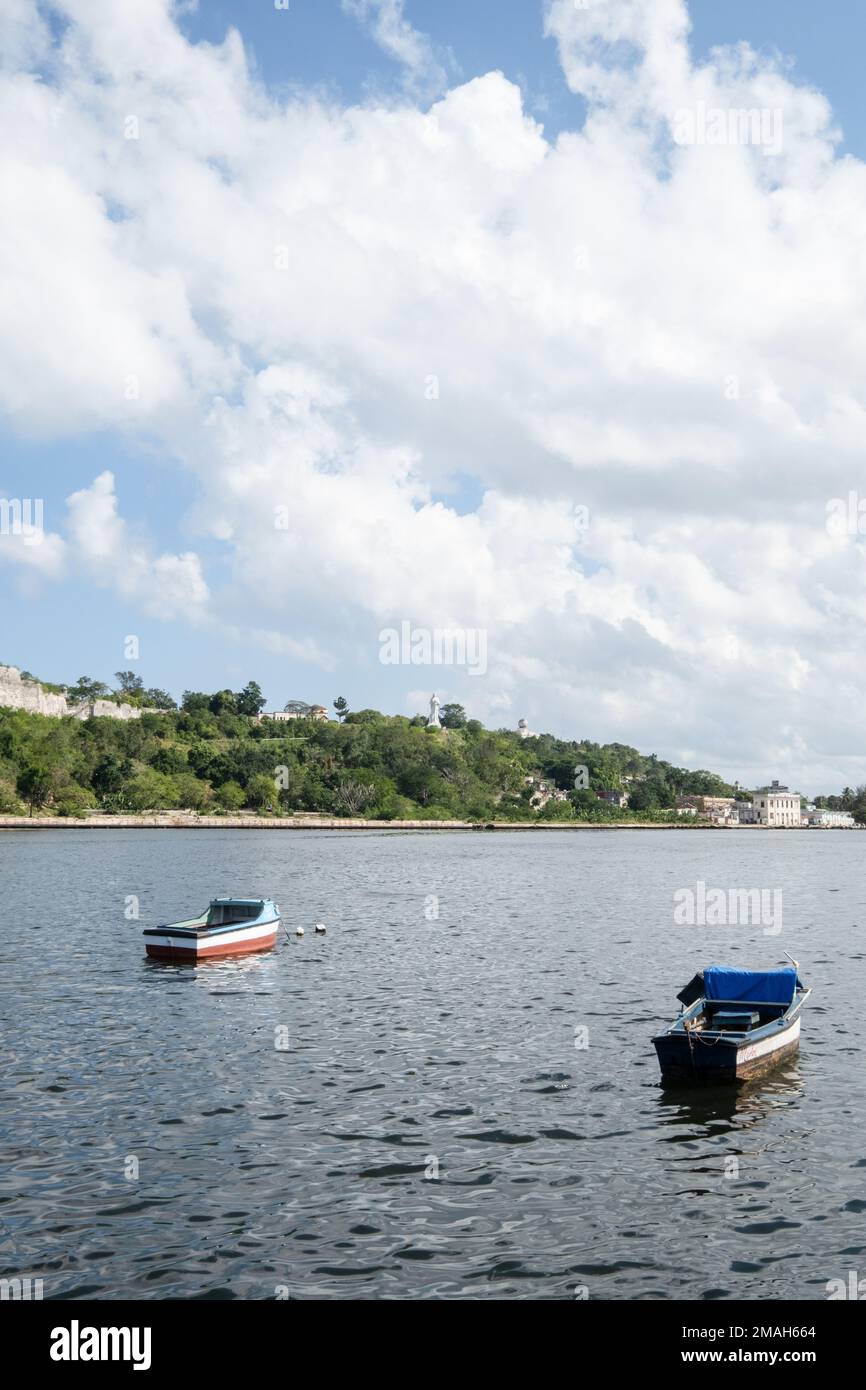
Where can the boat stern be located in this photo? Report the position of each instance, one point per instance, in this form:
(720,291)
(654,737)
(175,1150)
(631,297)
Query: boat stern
(685,1062)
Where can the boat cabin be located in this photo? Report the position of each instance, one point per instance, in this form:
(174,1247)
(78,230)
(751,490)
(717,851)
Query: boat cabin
(224,912)
(227,927)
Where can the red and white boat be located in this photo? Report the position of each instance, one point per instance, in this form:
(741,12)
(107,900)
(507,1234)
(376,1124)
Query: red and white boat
(229,927)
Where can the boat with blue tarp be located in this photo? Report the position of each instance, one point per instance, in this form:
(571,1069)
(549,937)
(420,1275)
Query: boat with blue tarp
(734,1025)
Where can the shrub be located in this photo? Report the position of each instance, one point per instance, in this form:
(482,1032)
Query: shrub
(230,796)
(150,791)
(10,803)
(192,792)
(261,791)
(73,800)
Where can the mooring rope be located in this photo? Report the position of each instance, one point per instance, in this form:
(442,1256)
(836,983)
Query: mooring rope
(692,1032)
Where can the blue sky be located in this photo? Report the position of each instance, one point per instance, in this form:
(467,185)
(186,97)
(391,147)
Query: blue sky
(315,42)
(63,628)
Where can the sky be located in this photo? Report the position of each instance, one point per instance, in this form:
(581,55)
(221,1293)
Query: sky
(331,320)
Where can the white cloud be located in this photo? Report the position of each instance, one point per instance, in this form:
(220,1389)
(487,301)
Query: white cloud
(338,311)
(166,586)
(24,35)
(623,50)
(424,74)
(36,552)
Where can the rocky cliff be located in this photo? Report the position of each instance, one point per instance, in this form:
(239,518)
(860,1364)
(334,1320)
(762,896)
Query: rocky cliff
(16,693)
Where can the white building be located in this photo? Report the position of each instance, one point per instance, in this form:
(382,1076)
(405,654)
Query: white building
(830,820)
(776,805)
(542,791)
(722,810)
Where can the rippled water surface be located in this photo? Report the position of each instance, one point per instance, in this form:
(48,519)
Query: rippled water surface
(419,1045)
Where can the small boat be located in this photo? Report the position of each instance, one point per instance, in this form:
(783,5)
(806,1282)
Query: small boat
(229,927)
(734,1025)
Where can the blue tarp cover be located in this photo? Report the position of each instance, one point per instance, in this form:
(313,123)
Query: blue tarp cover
(750,986)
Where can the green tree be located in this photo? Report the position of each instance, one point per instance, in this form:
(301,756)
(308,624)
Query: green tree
(341,705)
(224,701)
(193,793)
(250,700)
(423,784)
(158,699)
(109,775)
(452,717)
(364,716)
(128,683)
(34,785)
(261,791)
(643,797)
(72,800)
(231,796)
(87,689)
(150,791)
(195,702)
(170,758)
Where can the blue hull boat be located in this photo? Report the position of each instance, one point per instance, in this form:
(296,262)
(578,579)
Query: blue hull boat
(735,1025)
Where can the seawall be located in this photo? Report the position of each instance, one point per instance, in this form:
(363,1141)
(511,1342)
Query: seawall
(169,820)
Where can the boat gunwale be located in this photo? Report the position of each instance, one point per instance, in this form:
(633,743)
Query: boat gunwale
(198,928)
(202,933)
(735,1038)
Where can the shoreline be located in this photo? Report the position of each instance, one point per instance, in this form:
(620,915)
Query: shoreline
(172,820)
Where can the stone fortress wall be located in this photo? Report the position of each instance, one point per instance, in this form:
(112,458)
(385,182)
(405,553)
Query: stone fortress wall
(16,693)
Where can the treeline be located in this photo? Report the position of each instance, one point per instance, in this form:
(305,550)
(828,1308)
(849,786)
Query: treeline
(130,689)
(212,755)
(851,799)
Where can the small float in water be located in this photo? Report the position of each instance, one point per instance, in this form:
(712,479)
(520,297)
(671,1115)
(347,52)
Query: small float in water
(734,1026)
(229,927)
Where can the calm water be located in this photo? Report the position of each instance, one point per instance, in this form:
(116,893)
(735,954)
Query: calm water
(417,1042)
